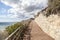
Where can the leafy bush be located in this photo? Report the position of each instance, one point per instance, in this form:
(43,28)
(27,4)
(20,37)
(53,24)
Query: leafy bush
(12,28)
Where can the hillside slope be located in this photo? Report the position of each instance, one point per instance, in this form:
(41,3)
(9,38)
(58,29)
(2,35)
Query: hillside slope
(49,19)
(50,24)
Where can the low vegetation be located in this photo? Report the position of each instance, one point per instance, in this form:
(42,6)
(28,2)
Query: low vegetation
(53,7)
(13,27)
(21,24)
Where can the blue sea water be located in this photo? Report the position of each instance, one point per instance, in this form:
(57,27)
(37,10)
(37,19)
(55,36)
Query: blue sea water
(3,25)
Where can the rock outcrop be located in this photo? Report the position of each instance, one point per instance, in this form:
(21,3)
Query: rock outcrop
(50,24)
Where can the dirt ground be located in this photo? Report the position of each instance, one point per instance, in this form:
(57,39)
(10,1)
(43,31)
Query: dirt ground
(37,33)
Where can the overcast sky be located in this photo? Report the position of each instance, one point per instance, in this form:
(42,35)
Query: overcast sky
(17,10)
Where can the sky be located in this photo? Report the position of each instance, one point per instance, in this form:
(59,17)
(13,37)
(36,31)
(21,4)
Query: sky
(17,10)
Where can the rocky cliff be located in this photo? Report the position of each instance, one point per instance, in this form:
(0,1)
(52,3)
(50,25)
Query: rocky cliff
(50,24)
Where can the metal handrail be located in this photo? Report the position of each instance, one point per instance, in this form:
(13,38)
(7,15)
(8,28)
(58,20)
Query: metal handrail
(18,29)
(14,33)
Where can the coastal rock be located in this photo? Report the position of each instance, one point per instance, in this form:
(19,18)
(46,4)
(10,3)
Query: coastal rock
(50,25)
(3,35)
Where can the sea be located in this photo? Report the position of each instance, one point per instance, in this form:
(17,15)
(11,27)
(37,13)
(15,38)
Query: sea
(3,25)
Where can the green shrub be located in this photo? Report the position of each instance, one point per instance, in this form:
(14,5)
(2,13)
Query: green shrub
(12,28)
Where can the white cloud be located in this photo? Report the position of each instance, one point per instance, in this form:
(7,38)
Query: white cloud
(24,8)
